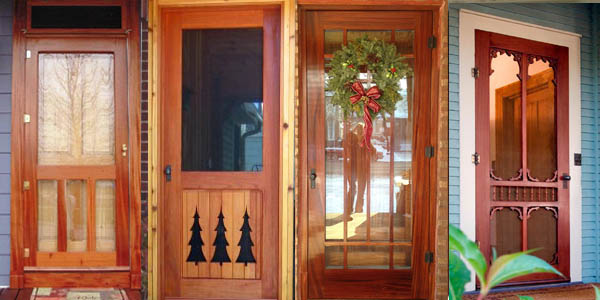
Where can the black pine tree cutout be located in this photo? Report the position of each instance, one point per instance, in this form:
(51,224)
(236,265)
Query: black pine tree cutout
(246,243)
(196,255)
(221,243)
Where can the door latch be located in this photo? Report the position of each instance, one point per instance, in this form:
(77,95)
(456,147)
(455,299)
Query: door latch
(565,178)
(124,149)
(475,158)
(313,178)
(168,172)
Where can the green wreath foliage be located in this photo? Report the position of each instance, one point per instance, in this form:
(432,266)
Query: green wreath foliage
(380,59)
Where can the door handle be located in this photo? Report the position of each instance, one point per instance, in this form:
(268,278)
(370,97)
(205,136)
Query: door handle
(313,178)
(565,177)
(168,172)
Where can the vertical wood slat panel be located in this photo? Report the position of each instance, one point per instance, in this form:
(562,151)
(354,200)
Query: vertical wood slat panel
(227,269)
(234,204)
(91,212)
(214,209)
(61,217)
(203,207)
(239,207)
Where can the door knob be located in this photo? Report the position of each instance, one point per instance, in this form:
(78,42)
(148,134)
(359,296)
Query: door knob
(566,177)
(313,178)
(168,172)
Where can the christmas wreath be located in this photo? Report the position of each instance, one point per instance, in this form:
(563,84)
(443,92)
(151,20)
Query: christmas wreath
(383,67)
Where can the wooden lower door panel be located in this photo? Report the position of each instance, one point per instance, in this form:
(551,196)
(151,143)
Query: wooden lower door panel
(234,205)
(91,278)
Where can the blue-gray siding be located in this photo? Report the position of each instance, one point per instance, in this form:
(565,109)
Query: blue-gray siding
(576,18)
(6,11)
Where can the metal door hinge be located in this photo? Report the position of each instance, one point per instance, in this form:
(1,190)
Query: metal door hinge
(432,42)
(475,72)
(26,252)
(28,54)
(429,151)
(26,118)
(26,185)
(475,158)
(428,257)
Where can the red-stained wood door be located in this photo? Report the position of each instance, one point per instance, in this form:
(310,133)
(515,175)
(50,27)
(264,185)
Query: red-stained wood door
(368,212)
(522,127)
(218,216)
(76,187)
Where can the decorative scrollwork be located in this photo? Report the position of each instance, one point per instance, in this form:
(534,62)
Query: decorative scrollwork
(548,208)
(513,208)
(494,51)
(554,178)
(517,177)
(530,177)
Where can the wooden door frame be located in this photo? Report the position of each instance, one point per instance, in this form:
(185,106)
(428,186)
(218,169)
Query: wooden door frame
(126,277)
(484,40)
(175,20)
(436,7)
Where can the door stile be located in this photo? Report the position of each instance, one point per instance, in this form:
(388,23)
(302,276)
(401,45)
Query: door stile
(482,137)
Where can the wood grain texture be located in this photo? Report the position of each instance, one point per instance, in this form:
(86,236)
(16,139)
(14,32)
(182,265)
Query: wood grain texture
(483,41)
(77,279)
(123,43)
(321,283)
(223,188)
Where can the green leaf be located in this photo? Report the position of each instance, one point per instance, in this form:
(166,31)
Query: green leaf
(597,292)
(470,252)
(525,297)
(459,276)
(510,266)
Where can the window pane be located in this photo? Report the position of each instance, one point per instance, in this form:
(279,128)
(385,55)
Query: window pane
(541,122)
(76,202)
(368,257)
(105,215)
(76,109)
(505,118)
(334,257)
(75,16)
(222,105)
(47,215)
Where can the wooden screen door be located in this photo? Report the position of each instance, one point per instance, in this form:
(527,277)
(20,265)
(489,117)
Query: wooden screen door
(76,169)
(368,212)
(522,127)
(220,116)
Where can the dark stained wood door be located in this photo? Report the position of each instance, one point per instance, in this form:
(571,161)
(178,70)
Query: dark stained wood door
(522,138)
(368,211)
(218,236)
(76,187)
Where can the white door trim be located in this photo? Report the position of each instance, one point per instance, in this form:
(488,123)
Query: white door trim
(469,21)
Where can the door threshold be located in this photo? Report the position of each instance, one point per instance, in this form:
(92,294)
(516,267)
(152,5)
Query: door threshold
(76,269)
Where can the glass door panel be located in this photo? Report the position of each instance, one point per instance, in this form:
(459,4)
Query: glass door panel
(79,154)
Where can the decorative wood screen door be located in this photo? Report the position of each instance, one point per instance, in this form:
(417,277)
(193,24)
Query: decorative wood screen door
(76,159)
(368,212)
(522,184)
(219,232)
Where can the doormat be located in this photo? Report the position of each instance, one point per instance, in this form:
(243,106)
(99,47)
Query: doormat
(78,294)
(575,291)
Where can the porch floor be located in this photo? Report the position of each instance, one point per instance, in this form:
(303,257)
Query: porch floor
(25,294)
(575,291)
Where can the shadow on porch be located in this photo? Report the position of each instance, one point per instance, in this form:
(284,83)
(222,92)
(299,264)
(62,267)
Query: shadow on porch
(70,294)
(563,292)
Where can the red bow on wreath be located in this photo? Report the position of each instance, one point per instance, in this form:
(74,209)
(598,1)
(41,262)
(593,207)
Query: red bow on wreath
(369,98)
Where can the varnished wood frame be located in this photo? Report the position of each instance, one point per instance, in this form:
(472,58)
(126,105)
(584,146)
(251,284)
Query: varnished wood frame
(173,21)
(129,276)
(483,41)
(426,290)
